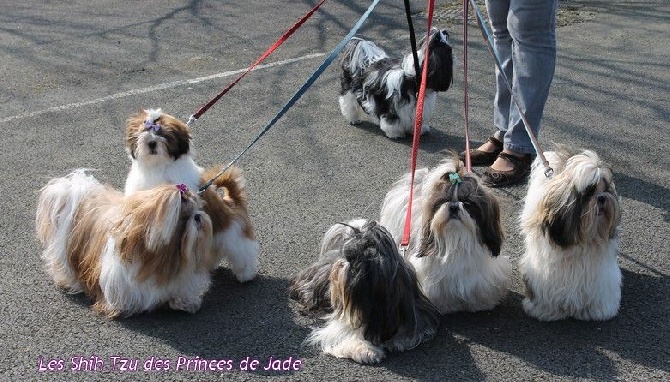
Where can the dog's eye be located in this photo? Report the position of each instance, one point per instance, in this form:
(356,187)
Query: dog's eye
(197,218)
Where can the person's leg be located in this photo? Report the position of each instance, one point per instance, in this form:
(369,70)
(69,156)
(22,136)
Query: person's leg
(497,12)
(532,27)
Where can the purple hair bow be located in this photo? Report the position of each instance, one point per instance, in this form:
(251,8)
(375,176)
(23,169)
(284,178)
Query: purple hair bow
(151,125)
(185,193)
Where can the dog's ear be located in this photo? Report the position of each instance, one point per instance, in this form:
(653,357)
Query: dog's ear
(132,126)
(491,226)
(562,220)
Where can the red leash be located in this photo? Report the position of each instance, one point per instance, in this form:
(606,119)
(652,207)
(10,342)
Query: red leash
(418,122)
(468,163)
(277,43)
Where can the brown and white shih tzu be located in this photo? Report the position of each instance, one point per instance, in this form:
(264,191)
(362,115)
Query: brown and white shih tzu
(571,226)
(385,89)
(160,148)
(456,237)
(366,292)
(128,253)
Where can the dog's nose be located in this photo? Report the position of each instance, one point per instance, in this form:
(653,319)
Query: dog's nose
(152,145)
(454,208)
(601,199)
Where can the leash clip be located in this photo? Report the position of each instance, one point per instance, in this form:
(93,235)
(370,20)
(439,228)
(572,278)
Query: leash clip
(549,172)
(403,249)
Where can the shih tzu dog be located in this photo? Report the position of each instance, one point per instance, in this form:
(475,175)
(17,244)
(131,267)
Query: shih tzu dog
(367,293)
(128,253)
(571,226)
(385,88)
(159,146)
(160,150)
(456,237)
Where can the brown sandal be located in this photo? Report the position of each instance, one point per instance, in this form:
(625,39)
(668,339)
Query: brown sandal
(484,158)
(518,174)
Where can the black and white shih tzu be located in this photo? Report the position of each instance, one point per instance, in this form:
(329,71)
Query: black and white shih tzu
(366,292)
(456,237)
(571,226)
(385,88)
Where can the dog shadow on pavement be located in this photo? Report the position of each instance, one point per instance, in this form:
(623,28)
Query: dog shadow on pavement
(567,348)
(237,321)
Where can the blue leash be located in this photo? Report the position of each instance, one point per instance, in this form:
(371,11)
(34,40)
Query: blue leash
(331,57)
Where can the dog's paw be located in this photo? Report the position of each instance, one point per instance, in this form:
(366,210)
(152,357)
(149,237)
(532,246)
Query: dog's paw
(355,123)
(246,274)
(542,312)
(395,136)
(359,351)
(365,353)
(185,304)
(425,129)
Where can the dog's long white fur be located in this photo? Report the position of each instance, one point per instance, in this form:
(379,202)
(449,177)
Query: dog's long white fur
(461,275)
(581,281)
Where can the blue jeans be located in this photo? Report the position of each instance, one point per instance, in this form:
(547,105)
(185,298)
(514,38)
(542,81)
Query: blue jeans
(524,34)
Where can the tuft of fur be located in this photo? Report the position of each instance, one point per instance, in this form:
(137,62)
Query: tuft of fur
(456,237)
(385,89)
(570,222)
(366,292)
(128,253)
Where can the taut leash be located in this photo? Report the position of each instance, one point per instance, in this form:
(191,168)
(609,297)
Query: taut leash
(418,121)
(274,46)
(331,57)
(466,117)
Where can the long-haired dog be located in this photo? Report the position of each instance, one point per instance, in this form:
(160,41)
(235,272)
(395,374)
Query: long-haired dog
(371,293)
(456,237)
(160,148)
(385,88)
(129,254)
(571,226)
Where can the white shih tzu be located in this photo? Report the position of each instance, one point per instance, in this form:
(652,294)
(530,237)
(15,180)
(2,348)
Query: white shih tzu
(571,227)
(456,237)
(385,89)
(159,146)
(372,294)
(128,253)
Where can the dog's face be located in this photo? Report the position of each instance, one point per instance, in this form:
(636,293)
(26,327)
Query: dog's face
(165,230)
(458,206)
(580,204)
(153,137)
(440,60)
(372,285)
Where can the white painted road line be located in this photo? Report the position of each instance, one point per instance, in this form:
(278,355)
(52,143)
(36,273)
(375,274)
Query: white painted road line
(168,85)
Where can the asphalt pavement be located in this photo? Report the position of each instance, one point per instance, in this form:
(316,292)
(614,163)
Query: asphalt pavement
(73,71)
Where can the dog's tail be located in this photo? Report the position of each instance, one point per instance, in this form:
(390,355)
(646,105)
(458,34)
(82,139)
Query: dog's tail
(359,54)
(231,182)
(56,208)
(58,202)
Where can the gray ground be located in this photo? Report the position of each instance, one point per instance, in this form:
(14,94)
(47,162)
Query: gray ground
(73,71)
